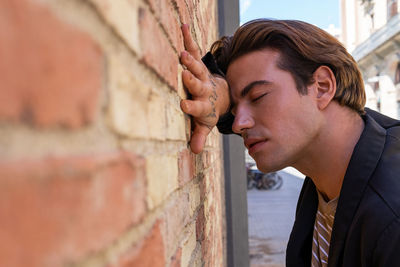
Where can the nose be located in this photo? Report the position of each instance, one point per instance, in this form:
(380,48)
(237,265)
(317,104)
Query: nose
(243,120)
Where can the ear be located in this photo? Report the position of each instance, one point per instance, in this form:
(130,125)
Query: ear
(325,86)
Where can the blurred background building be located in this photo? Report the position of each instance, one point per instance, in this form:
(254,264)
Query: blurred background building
(371,33)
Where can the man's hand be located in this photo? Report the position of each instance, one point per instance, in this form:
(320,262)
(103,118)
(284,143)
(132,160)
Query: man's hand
(210,96)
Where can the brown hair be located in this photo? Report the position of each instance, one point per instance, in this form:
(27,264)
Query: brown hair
(303,48)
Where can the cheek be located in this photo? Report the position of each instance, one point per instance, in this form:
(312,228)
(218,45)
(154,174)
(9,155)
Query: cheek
(289,125)
(303,126)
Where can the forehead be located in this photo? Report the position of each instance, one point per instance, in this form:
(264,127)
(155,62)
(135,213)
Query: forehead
(253,66)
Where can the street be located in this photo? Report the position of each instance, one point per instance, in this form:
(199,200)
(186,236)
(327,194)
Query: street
(271,216)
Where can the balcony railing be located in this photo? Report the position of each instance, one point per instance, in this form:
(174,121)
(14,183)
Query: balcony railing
(378,38)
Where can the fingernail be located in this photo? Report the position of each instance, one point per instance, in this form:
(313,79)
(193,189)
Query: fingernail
(187,107)
(184,54)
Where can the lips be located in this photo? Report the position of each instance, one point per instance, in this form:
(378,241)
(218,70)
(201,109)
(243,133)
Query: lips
(253,144)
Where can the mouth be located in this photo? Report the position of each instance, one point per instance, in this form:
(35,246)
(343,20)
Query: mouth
(254,145)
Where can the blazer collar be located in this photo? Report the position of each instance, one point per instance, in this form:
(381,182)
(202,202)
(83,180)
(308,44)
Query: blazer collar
(363,162)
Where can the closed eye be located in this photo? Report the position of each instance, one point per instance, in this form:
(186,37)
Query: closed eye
(259,97)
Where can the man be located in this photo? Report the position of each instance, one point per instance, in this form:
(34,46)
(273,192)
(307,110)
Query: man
(297,98)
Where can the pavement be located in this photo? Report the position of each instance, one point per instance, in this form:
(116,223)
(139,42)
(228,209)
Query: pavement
(271,216)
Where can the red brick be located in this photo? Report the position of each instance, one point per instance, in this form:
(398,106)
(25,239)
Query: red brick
(210,15)
(211,180)
(211,214)
(206,24)
(206,158)
(164,11)
(183,11)
(203,187)
(56,210)
(203,28)
(149,253)
(192,4)
(219,252)
(188,127)
(209,18)
(157,51)
(186,166)
(50,72)
(173,27)
(206,251)
(176,259)
(207,183)
(200,224)
(200,164)
(177,215)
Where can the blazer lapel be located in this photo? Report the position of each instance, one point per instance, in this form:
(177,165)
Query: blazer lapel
(363,162)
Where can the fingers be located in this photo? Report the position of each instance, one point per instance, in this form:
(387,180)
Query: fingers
(194,85)
(194,79)
(199,138)
(194,66)
(189,43)
(196,108)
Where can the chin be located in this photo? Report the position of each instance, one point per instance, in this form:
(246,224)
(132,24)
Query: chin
(264,167)
(269,166)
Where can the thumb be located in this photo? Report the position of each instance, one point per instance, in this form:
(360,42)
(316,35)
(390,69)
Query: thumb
(198,139)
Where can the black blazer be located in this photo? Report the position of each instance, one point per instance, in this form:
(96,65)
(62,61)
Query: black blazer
(366,230)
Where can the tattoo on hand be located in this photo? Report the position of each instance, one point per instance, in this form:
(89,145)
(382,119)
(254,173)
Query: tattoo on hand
(212,80)
(212,98)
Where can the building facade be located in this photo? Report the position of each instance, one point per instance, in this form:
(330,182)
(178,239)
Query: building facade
(371,33)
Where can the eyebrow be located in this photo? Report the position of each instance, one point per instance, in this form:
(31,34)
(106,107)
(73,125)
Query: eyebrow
(251,85)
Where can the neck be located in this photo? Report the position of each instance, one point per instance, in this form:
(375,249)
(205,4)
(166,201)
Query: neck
(327,161)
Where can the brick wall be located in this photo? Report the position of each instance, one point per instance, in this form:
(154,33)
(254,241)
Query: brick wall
(95,168)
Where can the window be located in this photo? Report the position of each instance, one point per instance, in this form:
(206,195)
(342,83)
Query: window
(369,11)
(397,74)
(398,109)
(391,8)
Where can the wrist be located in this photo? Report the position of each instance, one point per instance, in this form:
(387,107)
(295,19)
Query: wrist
(223,101)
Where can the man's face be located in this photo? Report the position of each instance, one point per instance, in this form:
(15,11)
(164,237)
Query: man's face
(278,124)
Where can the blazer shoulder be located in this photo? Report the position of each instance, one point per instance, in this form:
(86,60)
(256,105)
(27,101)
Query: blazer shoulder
(385,181)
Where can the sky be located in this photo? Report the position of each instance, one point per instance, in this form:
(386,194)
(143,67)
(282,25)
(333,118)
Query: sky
(321,13)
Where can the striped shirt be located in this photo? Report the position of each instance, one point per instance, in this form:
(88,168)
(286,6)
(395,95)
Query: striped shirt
(322,231)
